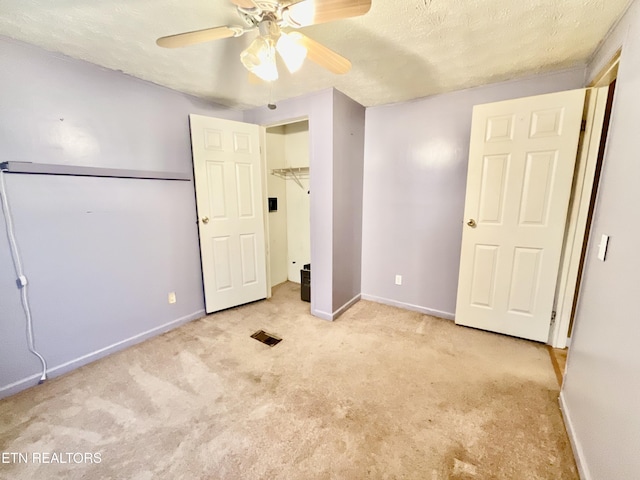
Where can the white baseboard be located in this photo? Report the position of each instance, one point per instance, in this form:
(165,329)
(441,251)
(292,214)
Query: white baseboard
(66,367)
(322,315)
(345,307)
(338,312)
(409,306)
(578,453)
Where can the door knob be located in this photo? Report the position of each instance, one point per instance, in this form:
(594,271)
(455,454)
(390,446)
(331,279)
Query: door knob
(205,219)
(472,223)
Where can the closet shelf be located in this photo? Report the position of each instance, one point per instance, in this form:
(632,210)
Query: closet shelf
(289,172)
(295,173)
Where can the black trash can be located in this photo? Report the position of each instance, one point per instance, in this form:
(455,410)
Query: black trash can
(305,283)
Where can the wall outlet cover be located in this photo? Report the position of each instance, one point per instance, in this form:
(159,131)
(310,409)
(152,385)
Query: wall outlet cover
(602,248)
(172,297)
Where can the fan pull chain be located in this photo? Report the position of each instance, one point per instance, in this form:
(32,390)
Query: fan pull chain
(271,105)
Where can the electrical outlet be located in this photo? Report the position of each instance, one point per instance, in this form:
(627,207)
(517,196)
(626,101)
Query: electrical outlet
(172,297)
(398,279)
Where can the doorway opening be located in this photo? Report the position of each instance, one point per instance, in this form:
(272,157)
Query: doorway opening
(581,215)
(288,199)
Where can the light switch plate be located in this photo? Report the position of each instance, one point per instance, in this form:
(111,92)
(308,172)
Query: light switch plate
(602,248)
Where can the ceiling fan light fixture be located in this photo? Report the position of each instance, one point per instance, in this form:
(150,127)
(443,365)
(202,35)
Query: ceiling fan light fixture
(292,51)
(260,58)
(269,17)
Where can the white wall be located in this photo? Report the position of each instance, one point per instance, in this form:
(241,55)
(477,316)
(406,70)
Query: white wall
(296,140)
(602,382)
(277,187)
(415,171)
(297,144)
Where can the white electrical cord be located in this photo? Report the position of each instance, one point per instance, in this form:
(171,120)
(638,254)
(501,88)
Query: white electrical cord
(22,279)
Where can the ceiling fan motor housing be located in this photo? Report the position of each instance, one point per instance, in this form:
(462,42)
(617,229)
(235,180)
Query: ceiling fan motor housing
(263,10)
(269,27)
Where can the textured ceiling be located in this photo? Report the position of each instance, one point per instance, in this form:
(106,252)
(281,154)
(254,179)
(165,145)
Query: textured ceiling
(400,50)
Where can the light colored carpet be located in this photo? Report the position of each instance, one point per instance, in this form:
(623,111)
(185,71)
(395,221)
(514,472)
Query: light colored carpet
(381,393)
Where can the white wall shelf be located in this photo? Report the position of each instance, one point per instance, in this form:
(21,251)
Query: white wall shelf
(295,173)
(78,171)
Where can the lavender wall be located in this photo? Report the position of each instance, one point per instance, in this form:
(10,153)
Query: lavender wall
(414,190)
(602,382)
(348,164)
(101,254)
(318,108)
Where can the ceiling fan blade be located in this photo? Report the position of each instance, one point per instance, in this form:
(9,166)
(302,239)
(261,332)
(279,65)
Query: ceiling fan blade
(244,3)
(324,56)
(311,12)
(198,36)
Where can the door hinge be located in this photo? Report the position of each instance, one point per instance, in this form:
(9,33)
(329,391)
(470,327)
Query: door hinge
(583,126)
(553,317)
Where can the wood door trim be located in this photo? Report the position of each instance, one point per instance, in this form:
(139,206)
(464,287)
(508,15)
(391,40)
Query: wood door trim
(556,365)
(608,73)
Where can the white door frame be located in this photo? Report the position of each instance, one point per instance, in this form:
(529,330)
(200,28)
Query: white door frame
(265,204)
(578,215)
(567,289)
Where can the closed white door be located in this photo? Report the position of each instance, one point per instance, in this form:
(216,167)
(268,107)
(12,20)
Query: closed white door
(521,163)
(226,158)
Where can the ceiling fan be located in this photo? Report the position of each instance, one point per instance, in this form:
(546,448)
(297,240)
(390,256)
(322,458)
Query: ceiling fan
(269,17)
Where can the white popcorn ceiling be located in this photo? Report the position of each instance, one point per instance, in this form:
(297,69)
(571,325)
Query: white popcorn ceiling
(400,50)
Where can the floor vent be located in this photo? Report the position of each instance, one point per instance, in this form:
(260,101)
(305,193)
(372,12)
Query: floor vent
(266,338)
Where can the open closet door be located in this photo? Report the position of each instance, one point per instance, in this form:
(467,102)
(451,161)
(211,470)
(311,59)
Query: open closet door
(521,164)
(226,159)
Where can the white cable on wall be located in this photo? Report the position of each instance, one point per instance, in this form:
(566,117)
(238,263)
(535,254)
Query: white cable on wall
(21,281)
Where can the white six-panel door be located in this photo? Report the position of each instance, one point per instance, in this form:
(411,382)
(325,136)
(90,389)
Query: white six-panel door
(521,164)
(226,158)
